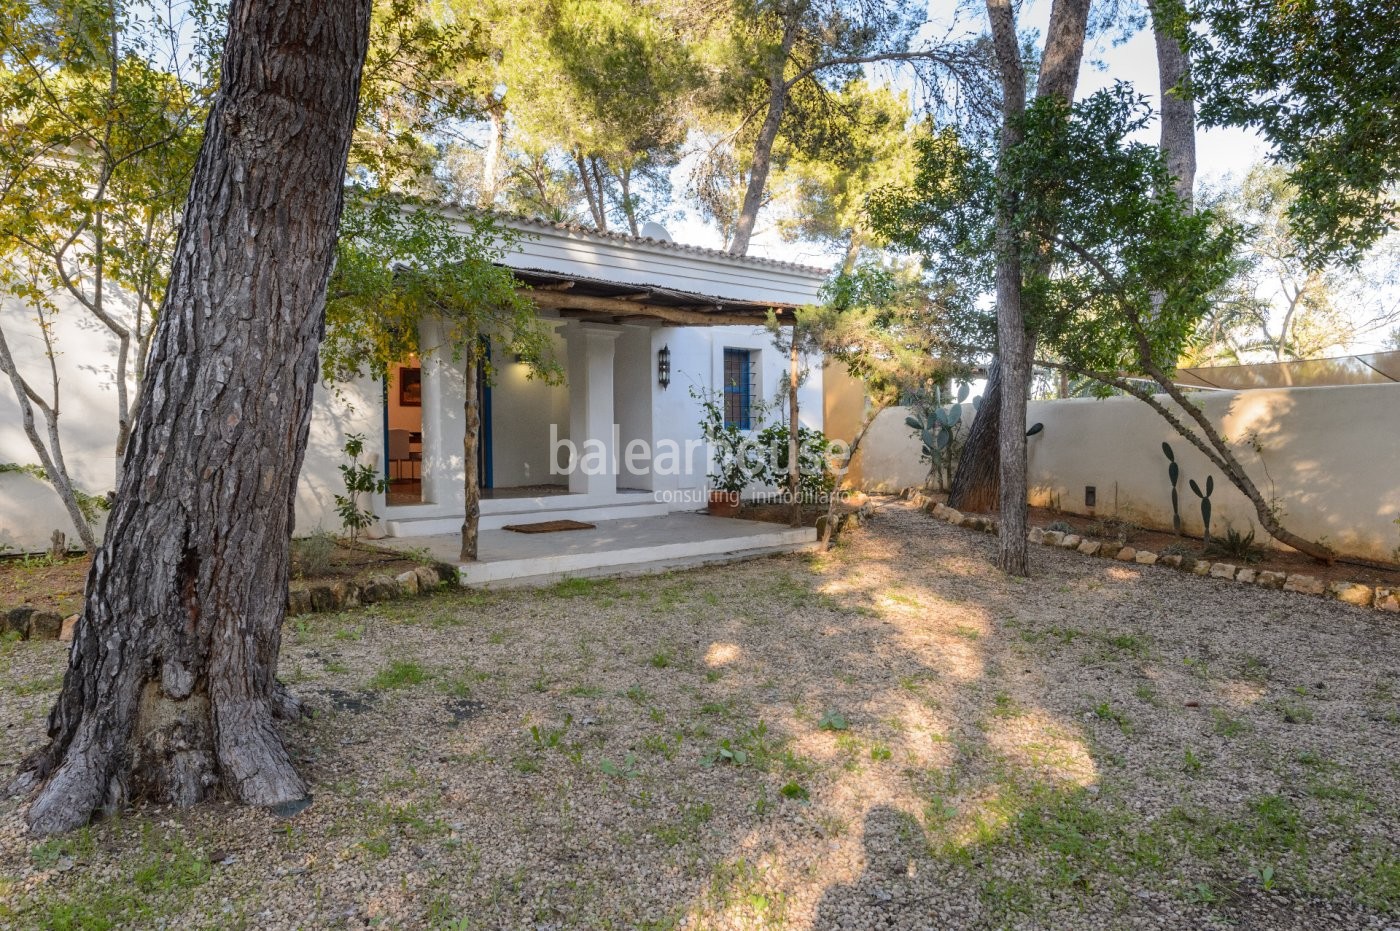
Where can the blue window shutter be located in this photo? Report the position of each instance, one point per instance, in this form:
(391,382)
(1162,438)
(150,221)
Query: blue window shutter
(738,388)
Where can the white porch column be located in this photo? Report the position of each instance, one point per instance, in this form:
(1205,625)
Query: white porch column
(591,418)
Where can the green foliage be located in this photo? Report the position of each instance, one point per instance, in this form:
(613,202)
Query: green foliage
(313,556)
(1239,546)
(400,265)
(751,747)
(814,476)
(359,479)
(826,188)
(1130,269)
(805,50)
(833,721)
(738,460)
(939,427)
(399,674)
(794,792)
(411,92)
(596,87)
(1281,299)
(1317,78)
(627,769)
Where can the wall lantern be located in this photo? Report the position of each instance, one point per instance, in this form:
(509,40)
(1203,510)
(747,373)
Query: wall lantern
(663,366)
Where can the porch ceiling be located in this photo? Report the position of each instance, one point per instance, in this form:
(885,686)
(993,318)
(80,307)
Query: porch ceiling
(615,301)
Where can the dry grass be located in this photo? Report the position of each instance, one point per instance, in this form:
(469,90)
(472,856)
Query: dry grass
(890,735)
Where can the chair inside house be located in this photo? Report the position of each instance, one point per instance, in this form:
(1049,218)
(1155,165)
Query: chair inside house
(402,456)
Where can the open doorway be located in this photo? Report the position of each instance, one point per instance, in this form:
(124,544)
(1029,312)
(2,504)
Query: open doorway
(403,434)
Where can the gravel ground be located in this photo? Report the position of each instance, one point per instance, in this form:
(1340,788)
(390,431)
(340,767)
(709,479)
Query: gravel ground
(891,735)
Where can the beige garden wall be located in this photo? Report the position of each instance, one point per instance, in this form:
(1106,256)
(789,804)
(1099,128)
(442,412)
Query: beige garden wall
(1330,457)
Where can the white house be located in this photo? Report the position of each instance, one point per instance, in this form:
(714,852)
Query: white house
(618,306)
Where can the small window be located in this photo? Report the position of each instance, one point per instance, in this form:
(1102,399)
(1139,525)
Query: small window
(738,388)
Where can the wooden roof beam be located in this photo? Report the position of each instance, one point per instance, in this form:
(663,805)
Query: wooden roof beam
(684,316)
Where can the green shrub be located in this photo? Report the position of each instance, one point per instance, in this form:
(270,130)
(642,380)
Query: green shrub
(313,556)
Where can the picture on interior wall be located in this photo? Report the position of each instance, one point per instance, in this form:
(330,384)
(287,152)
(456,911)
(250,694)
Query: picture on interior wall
(410,387)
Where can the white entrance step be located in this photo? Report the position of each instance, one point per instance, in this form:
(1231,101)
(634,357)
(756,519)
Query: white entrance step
(631,546)
(426,520)
(547,568)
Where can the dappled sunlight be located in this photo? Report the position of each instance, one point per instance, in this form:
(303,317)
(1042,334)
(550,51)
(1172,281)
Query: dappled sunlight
(722,654)
(1036,743)
(1240,693)
(1258,413)
(872,739)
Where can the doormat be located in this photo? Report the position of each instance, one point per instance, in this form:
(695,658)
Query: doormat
(550,526)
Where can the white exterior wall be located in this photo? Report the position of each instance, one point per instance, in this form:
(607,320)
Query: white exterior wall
(521,409)
(30,510)
(1333,454)
(355,408)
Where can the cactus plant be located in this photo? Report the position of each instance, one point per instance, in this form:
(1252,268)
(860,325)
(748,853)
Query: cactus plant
(1205,504)
(937,427)
(1174,473)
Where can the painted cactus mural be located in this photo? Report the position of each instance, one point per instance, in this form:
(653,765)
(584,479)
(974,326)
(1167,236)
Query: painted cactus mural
(1205,504)
(1174,473)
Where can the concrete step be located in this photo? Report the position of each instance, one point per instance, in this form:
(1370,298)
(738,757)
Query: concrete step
(548,569)
(499,517)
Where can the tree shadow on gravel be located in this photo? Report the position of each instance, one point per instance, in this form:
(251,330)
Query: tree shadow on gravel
(891,734)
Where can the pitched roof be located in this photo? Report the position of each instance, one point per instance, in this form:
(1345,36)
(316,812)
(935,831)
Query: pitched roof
(575,229)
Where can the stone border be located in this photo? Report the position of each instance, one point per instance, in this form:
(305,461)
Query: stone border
(33,623)
(340,596)
(1352,593)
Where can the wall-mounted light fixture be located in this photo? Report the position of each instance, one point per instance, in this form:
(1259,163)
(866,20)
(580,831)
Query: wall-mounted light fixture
(663,366)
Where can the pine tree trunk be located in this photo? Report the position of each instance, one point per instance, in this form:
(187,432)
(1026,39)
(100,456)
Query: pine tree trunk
(976,485)
(1013,341)
(170,692)
(1178,139)
(471,443)
(491,161)
(761,160)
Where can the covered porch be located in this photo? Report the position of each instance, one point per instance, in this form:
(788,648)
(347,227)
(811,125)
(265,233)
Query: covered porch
(616,547)
(565,452)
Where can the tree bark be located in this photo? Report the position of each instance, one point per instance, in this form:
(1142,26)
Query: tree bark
(170,691)
(491,161)
(1178,138)
(1012,338)
(762,161)
(977,485)
(594,198)
(471,442)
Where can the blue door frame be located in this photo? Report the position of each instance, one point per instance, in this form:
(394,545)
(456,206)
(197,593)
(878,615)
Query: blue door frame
(485,476)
